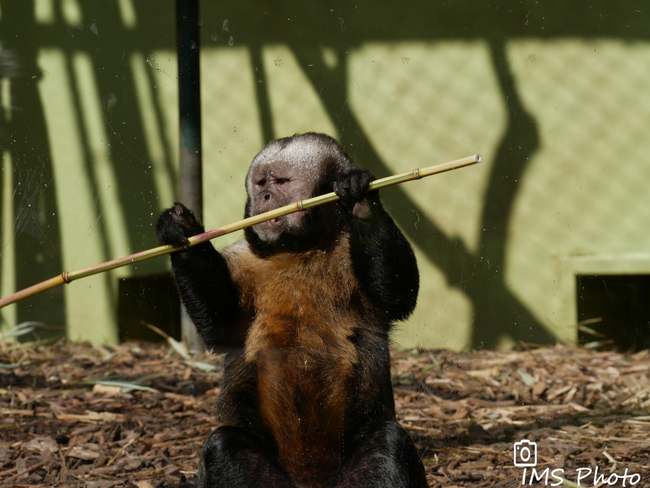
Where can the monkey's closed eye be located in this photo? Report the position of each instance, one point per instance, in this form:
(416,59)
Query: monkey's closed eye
(282,181)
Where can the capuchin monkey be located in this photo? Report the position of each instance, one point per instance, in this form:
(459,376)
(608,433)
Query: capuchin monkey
(311,297)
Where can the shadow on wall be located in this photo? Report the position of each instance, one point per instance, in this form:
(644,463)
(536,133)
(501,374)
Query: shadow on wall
(305,28)
(25,138)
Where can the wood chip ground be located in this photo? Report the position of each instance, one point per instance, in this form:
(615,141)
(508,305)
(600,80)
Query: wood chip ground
(136,415)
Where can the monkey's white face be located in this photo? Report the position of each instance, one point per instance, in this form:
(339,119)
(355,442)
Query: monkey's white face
(286,171)
(274,184)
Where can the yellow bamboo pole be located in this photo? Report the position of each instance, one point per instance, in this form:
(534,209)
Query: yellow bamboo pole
(67,277)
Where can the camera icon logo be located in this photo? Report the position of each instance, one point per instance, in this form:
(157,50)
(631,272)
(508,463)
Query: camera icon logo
(525,454)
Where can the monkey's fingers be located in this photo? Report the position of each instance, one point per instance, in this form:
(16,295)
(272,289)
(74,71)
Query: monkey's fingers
(352,187)
(176,224)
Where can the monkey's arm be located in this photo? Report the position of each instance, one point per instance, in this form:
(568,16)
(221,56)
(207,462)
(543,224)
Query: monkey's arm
(382,258)
(211,299)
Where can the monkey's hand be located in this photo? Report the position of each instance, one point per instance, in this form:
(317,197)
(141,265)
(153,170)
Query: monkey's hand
(176,224)
(352,190)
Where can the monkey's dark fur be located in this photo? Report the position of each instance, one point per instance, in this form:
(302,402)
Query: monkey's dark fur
(312,297)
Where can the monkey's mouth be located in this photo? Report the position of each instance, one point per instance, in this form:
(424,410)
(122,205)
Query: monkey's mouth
(269,223)
(270,230)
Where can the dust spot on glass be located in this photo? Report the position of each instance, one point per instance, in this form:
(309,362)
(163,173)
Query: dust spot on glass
(151,61)
(111,101)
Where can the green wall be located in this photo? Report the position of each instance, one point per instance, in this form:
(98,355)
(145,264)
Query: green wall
(555,96)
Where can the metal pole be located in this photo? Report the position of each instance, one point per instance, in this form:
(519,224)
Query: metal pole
(189,104)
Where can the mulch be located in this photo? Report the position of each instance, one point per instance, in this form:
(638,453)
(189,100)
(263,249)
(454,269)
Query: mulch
(137,414)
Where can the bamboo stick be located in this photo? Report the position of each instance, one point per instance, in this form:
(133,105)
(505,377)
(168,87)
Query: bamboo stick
(67,277)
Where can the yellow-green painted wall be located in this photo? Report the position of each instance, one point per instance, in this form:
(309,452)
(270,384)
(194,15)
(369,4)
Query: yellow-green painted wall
(555,97)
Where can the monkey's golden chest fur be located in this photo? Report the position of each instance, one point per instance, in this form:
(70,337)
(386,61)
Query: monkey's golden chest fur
(300,341)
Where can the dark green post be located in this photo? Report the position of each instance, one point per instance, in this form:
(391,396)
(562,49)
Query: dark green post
(189,104)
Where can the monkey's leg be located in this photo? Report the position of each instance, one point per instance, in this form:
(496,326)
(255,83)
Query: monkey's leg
(388,459)
(233,458)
